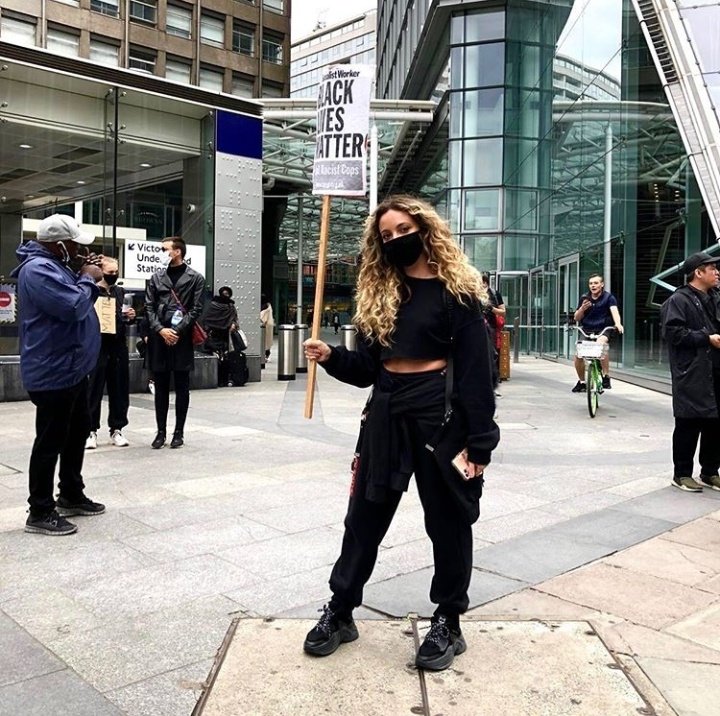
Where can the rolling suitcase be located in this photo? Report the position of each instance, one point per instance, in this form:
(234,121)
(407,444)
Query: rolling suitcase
(236,368)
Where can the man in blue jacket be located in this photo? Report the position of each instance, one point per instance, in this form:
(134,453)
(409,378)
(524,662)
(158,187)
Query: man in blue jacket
(59,346)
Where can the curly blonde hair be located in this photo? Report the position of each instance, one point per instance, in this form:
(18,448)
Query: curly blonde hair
(380,286)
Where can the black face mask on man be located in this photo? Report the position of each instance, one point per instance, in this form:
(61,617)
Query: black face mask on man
(403,251)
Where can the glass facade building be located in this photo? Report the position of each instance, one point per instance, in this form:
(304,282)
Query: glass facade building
(557,153)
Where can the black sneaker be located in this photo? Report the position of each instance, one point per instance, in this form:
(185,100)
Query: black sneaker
(80,506)
(442,643)
(327,635)
(580,387)
(50,524)
(177,440)
(606,382)
(159,441)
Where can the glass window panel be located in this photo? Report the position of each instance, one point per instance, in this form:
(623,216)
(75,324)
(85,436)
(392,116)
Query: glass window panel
(106,7)
(483,112)
(520,210)
(143,10)
(482,210)
(244,39)
(482,161)
(179,21)
(141,60)
(271,90)
(481,26)
(211,79)
(456,68)
(104,53)
(177,71)
(523,112)
(704,30)
(456,114)
(518,253)
(455,158)
(18,31)
(482,251)
(484,65)
(63,43)
(523,65)
(272,50)
(457,29)
(521,162)
(274,5)
(212,31)
(243,86)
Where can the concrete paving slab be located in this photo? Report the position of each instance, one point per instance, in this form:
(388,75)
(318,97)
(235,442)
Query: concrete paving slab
(409,593)
(60,692)
(637,597)
(697,693)
(702,627)
(531,604)
(672,505)
(670,560)
(553,669)
(703,533)
(370,676)
(506,527)
(21,656)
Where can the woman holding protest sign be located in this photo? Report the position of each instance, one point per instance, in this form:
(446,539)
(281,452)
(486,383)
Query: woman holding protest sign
(422,345)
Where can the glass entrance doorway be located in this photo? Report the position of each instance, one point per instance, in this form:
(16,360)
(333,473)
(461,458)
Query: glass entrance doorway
(568,293)
(513,286)
(542,312)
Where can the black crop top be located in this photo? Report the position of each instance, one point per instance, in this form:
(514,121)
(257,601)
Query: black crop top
(422,326)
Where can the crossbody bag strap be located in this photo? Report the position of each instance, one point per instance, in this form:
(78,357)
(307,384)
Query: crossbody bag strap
(449,370)
(178,301)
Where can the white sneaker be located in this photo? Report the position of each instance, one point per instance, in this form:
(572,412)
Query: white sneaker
(91,442)
(151,387)
(118,439)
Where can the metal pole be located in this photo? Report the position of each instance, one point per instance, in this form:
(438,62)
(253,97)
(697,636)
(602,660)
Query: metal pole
(298,318)
(607,224)
(516,340)
(373,166)
(116,137)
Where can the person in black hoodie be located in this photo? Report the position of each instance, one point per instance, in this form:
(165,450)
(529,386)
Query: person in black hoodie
(691,327)
(173,303)
(112,368)
(419,320)
(221,322)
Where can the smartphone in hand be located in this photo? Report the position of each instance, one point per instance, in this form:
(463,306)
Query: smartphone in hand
(460,463)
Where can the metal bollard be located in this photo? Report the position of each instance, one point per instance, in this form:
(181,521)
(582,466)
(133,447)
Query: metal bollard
(349,336)
(301,332)
(287,351)
(263,360)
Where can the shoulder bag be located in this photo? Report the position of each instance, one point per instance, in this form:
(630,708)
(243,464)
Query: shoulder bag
(198,333)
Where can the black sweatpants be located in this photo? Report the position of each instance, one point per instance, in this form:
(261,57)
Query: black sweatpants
(62,424)
(162,398)
(367,522)
(112,369)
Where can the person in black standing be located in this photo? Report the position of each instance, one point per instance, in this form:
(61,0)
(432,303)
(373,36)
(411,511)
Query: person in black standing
(173,303)
(112,368)
(495,317)
(691,327)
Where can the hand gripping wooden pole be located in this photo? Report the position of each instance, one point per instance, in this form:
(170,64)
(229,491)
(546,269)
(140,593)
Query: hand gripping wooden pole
(319,306)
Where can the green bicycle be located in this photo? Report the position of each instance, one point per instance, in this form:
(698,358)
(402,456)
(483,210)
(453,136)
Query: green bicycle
(592,352)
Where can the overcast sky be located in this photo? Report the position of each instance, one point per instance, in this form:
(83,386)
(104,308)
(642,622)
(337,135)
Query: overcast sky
(306,13)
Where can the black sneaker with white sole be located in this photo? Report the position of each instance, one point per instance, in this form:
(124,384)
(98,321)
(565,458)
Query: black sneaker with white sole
(443,642)
(579,387)
(330,631)
(79,506)
(50,523)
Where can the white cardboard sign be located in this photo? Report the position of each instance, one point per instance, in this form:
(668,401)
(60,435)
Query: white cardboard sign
(142,258)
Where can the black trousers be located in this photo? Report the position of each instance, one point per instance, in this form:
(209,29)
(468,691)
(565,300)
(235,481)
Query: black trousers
(162,398)
(112,369)
(366,523)
(685,441)
(62,423)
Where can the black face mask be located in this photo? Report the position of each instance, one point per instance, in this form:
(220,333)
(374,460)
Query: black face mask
(110,278)
(403,251)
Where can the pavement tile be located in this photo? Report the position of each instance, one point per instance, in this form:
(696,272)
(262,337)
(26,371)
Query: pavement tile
(571,673)
(640,598)
(672,505)
(21,656)
(211,538)
(409,593)
(697,693)
(285,555)
(370,676)
(320,511)
(583,504)
(702,627)
(640,486)
(515,524)
(531,604)
(641,641)
(670,560)
(61,691)
(126,652)
(219,484)
(702,533)
(127,594)
(402,558)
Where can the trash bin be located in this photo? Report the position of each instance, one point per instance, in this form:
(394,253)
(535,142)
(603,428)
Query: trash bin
(301,330)
(505,355)
(287,351)
(349,336)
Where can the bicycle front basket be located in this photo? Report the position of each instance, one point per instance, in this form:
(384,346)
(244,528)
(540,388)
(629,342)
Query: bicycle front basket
(589,349)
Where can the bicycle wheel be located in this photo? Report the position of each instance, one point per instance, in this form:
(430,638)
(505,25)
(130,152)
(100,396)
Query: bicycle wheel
(592,379)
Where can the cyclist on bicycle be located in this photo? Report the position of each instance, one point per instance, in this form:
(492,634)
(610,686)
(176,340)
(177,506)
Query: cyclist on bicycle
(596,310)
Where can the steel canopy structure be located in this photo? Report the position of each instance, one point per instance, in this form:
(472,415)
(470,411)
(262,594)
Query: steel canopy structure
(288,155)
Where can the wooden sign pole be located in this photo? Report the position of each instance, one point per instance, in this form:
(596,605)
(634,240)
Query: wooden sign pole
(318,307)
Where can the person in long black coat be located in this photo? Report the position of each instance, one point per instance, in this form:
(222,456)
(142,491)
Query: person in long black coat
(691,327)
(173,303)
